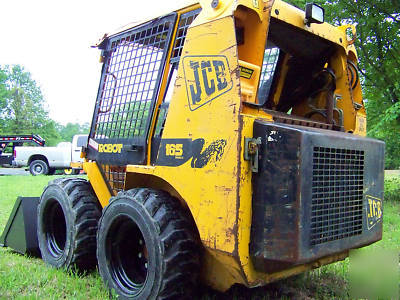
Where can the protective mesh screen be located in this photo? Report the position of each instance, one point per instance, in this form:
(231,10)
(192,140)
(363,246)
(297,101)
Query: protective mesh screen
(131,74)
(184,22)
(337,194)
(115,177)
(129,82)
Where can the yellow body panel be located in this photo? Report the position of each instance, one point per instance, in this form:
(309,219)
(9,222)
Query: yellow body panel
(97,181)
(361,124)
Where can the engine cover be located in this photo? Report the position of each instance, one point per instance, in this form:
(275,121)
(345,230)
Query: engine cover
(317,192)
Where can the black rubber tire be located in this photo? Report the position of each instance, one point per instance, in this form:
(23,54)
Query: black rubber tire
(145,221)
(38,167)
(68,216)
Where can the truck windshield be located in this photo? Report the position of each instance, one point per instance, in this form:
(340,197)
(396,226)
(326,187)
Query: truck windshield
(81,141)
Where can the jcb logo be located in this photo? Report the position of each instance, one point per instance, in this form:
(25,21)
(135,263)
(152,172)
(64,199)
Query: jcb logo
(206,77)
(174,150)
(110,148)
(374,211)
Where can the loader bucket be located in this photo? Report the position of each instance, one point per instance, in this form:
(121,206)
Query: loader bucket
(20,232)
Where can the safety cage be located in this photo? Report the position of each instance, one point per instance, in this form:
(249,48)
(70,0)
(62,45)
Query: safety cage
(134,66)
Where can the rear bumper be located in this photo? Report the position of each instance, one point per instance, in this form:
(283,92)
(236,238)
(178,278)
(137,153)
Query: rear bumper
(317,193)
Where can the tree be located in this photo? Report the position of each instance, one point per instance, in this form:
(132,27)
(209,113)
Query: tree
(22,105)
(3,94)
(69,130)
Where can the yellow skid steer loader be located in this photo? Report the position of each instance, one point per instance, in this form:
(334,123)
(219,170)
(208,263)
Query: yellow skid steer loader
(228,145)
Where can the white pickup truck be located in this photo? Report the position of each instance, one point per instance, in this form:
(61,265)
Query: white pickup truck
(46,160)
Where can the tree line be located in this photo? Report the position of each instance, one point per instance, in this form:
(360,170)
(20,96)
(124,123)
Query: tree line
(22,109)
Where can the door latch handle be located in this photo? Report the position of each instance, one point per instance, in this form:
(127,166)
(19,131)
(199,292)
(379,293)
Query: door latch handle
(251,152)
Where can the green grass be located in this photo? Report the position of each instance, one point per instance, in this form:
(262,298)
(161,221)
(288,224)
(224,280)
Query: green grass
(392,188)
(22,277)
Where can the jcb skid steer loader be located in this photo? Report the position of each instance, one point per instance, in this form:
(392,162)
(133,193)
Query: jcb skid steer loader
(227,142)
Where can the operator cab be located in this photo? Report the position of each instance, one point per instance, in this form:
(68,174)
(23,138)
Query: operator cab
(302,73)
(293,78)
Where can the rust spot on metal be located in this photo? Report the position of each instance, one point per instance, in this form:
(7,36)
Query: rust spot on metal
(223,188)
(234,107)
(232,231)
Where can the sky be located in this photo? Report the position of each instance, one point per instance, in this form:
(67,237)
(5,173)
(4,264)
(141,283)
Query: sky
(52,40)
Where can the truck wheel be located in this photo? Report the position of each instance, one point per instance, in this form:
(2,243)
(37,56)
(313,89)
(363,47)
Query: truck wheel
(38,167)
(146,247)
(68,215)
(67,171)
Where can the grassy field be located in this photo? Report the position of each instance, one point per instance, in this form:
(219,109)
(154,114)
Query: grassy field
(22,277)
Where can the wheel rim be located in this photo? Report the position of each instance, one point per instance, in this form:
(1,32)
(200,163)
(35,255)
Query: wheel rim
(38,169)
(55,228)
(127,254)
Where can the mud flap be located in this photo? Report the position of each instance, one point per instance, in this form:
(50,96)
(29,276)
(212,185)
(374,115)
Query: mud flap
(20,232)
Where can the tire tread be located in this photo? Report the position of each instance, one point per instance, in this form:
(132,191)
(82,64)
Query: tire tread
(86,213)
(179,238)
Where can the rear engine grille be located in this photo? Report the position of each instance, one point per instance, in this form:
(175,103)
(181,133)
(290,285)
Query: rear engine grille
(337,194)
